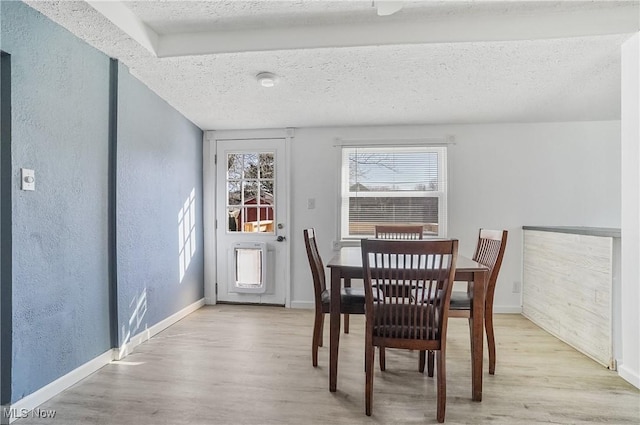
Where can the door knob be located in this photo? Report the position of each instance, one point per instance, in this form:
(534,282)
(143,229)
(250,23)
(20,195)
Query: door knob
(280,238)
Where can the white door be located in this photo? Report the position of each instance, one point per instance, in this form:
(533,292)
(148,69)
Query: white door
(252,222)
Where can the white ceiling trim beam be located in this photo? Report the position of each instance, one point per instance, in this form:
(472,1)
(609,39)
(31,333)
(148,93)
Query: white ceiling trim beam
(386,8)
(506,27)
(121,16)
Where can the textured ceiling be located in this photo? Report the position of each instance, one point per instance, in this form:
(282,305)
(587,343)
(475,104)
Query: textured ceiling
(566,79)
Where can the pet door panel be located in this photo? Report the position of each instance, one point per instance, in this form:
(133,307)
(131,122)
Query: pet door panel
(249,268)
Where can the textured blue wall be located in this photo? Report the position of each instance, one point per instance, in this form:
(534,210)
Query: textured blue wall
(60,267)
(159,165)
(60,240)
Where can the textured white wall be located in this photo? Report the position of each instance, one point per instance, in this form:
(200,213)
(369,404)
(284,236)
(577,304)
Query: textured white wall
(501,176)
(630,367)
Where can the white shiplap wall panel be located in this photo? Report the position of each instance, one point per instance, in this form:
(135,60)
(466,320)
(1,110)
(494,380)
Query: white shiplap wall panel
(567,289)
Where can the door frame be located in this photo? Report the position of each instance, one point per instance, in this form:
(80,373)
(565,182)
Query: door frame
(209,171)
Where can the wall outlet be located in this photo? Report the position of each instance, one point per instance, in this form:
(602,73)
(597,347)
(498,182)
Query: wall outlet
(517,286)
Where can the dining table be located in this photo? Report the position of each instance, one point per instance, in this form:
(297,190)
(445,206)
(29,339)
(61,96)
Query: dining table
(346,264)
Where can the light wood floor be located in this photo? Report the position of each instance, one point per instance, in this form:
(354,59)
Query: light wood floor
(252,365)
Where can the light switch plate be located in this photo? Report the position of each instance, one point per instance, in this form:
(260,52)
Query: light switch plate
(311,203)
(27,179)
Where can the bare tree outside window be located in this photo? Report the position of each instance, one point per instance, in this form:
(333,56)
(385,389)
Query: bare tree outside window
(393,185)
(250,192)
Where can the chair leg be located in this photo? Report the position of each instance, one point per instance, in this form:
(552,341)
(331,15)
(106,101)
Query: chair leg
(347,284)
(430,364)
(383,361)
(491,343)
(442,385)
(470,320)
(321,336)
(317,337)
(421,361)
(368,367)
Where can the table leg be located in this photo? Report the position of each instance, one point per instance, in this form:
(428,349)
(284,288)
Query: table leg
(477,331)
(334,338)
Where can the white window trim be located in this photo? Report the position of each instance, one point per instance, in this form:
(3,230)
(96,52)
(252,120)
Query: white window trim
(444,141)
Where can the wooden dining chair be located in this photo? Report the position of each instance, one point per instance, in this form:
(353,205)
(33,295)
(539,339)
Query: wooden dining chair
(402,232)
(399,231)
(417,322)
(351,299)
(489,252)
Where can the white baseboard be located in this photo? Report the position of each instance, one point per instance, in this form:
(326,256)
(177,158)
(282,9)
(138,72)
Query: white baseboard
(303,304)
(507,309)
(22,407)
(628,375)
(146,334)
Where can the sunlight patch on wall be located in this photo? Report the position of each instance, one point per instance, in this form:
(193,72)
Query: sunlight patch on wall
(186,233)
(138,308)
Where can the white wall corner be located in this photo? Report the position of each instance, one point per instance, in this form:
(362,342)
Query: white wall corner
(209,215)
(630,182)
(629,375)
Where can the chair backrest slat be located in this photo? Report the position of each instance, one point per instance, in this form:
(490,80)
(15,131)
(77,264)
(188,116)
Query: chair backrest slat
(315,263)
(397,231)
(490,251)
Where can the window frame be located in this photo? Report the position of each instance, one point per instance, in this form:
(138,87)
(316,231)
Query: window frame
(343,185)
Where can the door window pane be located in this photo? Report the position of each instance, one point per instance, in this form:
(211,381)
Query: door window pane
(266,191)
(233,191)
(250,166)
(233,215)
(250,192)
(266,165)
(234,166)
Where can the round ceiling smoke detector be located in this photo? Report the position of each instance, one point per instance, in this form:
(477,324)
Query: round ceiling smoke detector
(267,79)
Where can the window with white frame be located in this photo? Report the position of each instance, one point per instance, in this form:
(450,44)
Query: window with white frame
(393,185)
